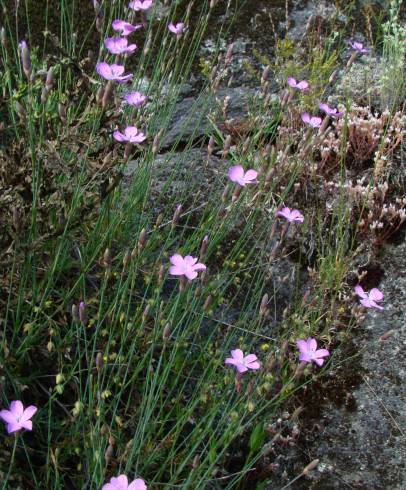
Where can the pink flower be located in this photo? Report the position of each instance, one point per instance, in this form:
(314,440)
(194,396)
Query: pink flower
(178,28)
(330,111)
(187,266)
(119,45)
(112,72)
(369,300)
(358,47)
(121,483)
(17,418)
(237,174)
(135,98)
(309,352)
(303,85)
(125,28)
(313,121)
(131,135)
(242,363)
(291,215)
(140,5)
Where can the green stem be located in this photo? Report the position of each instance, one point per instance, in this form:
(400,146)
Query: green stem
(11,462)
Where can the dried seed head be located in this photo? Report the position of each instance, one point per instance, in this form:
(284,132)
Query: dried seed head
(126,259)
(166,332)
(210,146)
(75,312)
(26,60)
(203,248)
(176,216)
(49,82)
(142,240)
(265,74)
(107,258)
(99,362)
(145,313)
(108,455)
(161,275)
(264,305)
(208,302)
(82,313)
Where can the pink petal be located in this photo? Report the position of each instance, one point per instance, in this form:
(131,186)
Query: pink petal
(285,212)
(375,294)
(172,28)
(7,416)
(241,368)
(199,267)
(311,344)
(296,215)
(254,365)
(13,427)
(250,358)
(319,362)
(190,274)
(302,85)
(27,424)
(361,293)
(108,486)
(232,361)
(119,136)
(321,353)
(189,260)
(120,482)
(137,484)
(16,408)
(250,175)
(176,270)
(292,82)
(302,345)
(236,173)
(28,413)
(367,303)
(237,354)
(304,356)
(305,117)
(176,259)
(375,305)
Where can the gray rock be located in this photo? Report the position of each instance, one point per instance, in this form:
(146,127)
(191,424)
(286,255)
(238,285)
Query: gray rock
(190,119)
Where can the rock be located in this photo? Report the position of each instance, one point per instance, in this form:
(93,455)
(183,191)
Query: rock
(190,117)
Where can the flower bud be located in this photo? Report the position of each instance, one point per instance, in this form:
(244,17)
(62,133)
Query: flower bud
(49,82)
(176,216)
(82,313)
(26,59)
(210,146)
(3,37)
(203,248)
(166,332)
(126,259)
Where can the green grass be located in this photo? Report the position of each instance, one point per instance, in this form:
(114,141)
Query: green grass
(143,380)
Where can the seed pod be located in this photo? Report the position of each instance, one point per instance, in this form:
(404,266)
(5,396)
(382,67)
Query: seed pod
(166,332)
(161,275)
(227,146)
(44,95)
(210,146)
(26,59)
(176,216)
(82,313)
(99,362)
(107,258)
(263,308)
(142,239)
(108,455)
(75,312)
(265,74)
(3,37)
(20,110)
(229,54)
(126,259)
(203,248)
(145,313)
(49,82)
(208,302)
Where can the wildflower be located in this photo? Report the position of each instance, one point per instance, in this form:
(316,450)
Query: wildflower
(121,483)
(309,352)
(178,28)
(330,111)
(112,72)
(17,417)
(131,135)
(119,45)
(369,300)
(140,5)
(291,215)
(185,266)
(241,362)
(313,121)
(237,174)
(135,99)
(303,85)
(359,47)
(125,28)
